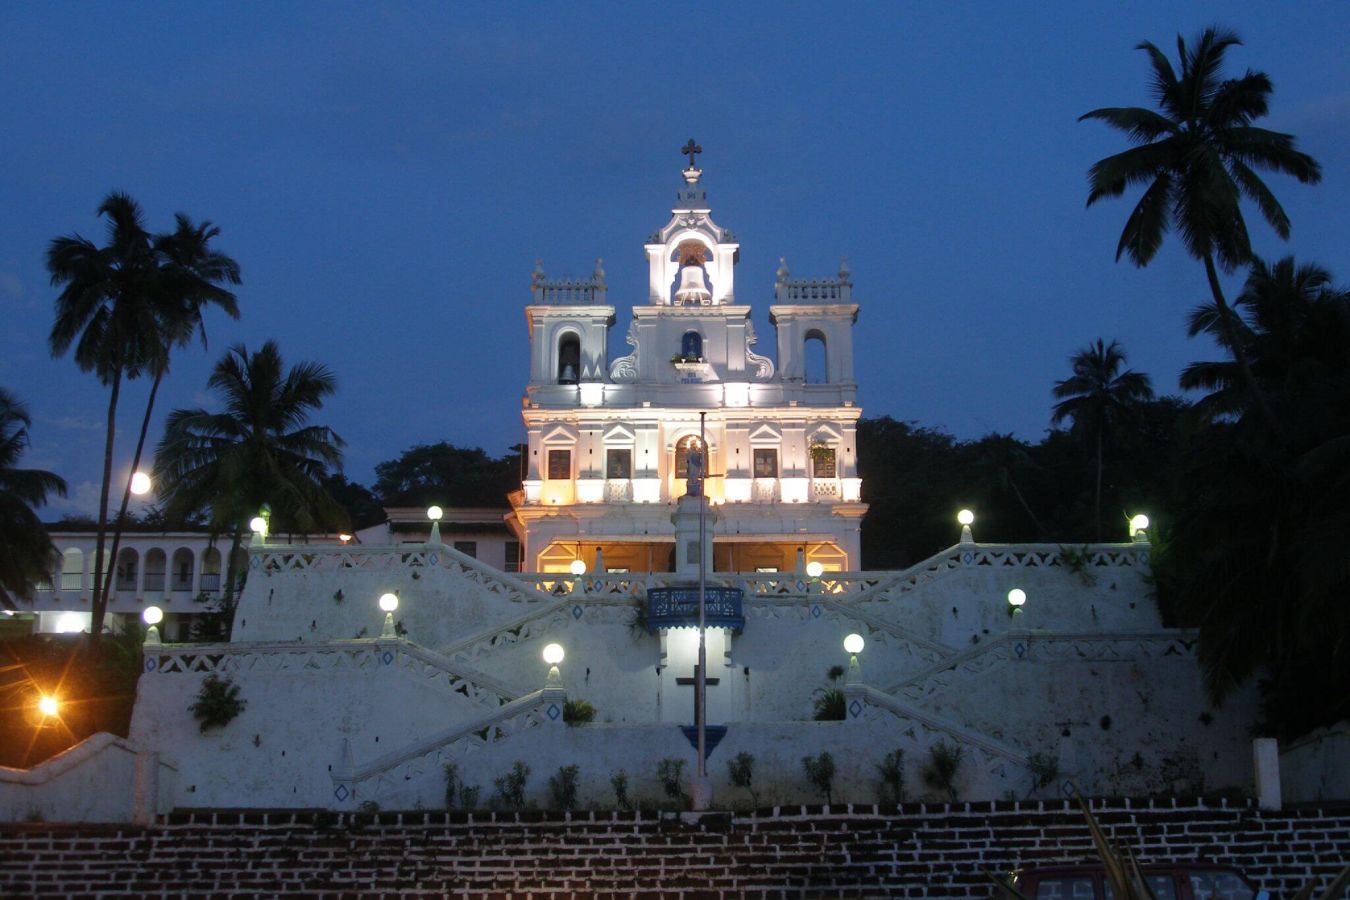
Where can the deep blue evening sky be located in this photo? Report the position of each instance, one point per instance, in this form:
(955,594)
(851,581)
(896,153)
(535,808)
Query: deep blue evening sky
(386,174)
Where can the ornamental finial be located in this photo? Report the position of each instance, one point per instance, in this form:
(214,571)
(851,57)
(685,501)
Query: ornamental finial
(692,150)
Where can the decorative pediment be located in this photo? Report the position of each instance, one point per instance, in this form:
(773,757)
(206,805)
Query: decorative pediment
(766,433)
(619,433)
(560,434)
(825,433)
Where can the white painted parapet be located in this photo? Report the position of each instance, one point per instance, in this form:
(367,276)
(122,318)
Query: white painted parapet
(104,778)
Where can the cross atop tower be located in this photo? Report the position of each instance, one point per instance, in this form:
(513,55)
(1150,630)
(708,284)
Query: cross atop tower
(691,150)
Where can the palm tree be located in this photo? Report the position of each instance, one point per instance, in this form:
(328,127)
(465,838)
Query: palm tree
(1198,158)
(189,276)
(257,452)
(1098,398)
(1287,322)
(106,311)
(26,552)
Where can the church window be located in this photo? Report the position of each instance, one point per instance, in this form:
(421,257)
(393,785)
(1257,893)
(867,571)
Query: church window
(766,462)
(468,548)
(822,462)
(560,464)
(618,463)
(687,443)
(691,346)
(816,370)
(569,359)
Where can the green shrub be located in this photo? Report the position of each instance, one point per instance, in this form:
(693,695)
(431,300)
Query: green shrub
(619,781)
(944,763)
(563,787)
(741,768)
(671,774)
(510,788)
(459,795)
(820,772)
(577,712)
(892,772)
(217,702)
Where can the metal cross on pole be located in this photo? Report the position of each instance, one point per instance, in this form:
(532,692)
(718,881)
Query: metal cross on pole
(691,150)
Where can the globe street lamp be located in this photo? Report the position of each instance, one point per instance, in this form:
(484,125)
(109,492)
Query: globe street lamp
(388,603)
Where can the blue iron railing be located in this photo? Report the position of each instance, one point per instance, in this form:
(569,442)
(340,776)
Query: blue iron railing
(677,607)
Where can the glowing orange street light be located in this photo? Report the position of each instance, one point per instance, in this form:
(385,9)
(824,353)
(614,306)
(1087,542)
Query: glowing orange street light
(48,706)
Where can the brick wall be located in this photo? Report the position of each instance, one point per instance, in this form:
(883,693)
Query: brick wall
(916,850)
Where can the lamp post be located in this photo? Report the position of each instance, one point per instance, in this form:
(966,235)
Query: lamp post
(966,518)
(152,615)
(434,513)
(388,603)
(1017,598)
(140,484)
(703,798)
(1139,528)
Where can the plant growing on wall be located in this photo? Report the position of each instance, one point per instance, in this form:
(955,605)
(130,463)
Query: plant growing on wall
(562,786)
(217,702)
(670,772)
(820,772)
(1044,770)
(829,699)
(619,782)
(510,788)
(577,712)
(944,764)
(1076,560)
(741,768)
(459,795)
(892,772)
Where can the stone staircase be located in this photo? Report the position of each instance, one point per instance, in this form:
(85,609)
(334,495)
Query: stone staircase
(913,850)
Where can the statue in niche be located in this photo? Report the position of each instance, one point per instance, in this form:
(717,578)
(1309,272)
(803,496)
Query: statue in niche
(694,475)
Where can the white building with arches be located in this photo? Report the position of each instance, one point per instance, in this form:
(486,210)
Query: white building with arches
(609,440)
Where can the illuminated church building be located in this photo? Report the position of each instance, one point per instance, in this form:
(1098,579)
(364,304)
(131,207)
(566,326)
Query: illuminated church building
(609,441)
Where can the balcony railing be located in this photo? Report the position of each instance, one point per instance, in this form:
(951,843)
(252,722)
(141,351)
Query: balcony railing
(154,581)
(677,607)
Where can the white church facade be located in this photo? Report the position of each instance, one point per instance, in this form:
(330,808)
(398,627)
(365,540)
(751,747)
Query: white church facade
(609,440)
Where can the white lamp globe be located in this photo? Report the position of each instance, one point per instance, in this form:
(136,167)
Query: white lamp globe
(853,644)
(578,567)
(553,654)
(257,525)
(140,484)
(434,513)
(1138,523)
(389,602)
(152,615)
(965,517)
(814,568)
(1016,597)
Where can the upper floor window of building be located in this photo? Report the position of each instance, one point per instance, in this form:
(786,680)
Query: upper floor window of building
(619,463)
(560,465)
(822,462)
(766,462)
(512,561)
(468,548)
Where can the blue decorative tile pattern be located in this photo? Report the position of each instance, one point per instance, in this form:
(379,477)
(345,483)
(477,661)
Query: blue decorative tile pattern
(967,558)
(151,664)
(387,657)
(341,793)
(577,611)
(433,559)
(815,611)
(855,709)
(554,712)
(1020,649)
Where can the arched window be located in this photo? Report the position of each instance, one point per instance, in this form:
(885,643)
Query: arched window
(816,369)
(128,561)
(183,564)
(569,358)
(691,346)
(72,569)
(211,570)
(682,448)
(154,570)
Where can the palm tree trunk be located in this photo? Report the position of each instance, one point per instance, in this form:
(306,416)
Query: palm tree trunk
(1226,320)
(99,602)
(1040,532)
(1097,501)
(126,492)
(228,601)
